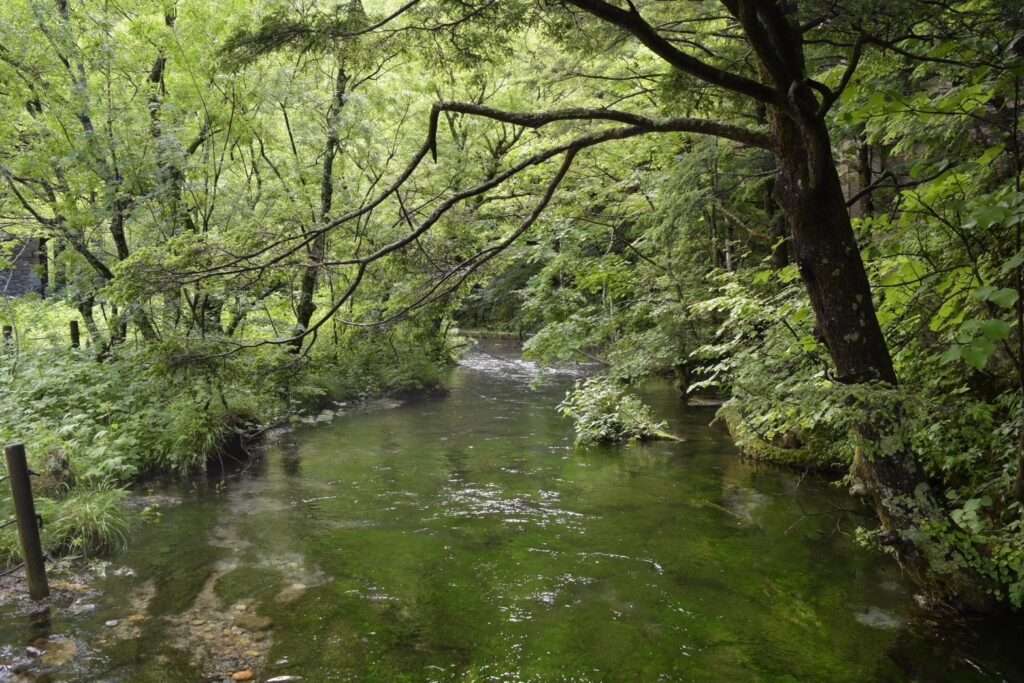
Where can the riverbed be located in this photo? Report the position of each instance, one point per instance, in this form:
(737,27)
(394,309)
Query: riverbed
(465,538)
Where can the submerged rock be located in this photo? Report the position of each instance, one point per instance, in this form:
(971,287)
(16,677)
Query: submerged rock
(79,607)
(875,617)
(252,622)
(222,637)
(59,651)
(290,594)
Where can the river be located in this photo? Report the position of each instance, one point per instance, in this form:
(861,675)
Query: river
(464,538)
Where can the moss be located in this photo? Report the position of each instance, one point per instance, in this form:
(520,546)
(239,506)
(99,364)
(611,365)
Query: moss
(756,447)
(244,582)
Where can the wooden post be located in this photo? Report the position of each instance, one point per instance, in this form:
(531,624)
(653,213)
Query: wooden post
(28,529)
(76,339)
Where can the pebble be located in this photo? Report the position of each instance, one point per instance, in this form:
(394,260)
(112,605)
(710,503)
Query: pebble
(244,675)
(82,607)
(112,623)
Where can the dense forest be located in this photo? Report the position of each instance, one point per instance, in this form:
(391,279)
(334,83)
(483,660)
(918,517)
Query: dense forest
(812,210)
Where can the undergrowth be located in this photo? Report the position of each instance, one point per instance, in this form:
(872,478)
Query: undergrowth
(93,427)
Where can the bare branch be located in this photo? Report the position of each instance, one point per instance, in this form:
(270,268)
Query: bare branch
(632,22)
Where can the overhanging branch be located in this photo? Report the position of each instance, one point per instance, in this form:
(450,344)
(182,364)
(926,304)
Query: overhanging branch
(631,21)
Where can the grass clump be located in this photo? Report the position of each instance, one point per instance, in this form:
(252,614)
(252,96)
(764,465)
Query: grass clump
(88,522)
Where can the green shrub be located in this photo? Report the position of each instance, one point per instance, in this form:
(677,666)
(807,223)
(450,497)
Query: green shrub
(604,412)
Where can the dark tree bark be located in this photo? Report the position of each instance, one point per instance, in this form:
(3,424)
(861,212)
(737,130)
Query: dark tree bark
(60,277)
(85,307)
(43,259)
(776,229)
(827,252)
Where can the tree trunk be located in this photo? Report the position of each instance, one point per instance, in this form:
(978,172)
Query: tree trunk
(60,277)
(318,247)
(809,190)
(866,177)
(777,230)
(830,263)
(43,258)
(85,310)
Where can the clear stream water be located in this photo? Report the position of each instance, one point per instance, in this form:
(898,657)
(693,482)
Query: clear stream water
(464,539)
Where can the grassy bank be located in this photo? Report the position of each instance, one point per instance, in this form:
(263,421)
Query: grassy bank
(94,427)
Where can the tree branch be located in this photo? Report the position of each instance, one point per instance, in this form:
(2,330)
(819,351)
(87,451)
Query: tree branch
(632,22)
(682,125)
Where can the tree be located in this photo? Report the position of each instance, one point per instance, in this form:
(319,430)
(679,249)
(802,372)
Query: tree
(774,84)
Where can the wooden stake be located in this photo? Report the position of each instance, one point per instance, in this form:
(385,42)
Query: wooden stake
(28,529)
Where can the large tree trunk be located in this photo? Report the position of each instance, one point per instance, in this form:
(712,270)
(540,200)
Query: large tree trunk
(829,258)
(809,190)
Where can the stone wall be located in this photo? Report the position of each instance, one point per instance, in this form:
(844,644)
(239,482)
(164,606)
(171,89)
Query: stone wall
(22,276)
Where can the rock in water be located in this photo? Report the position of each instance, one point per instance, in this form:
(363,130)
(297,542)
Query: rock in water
(244,675)
(252,622)
(875,617)
(59,652)
(291,593)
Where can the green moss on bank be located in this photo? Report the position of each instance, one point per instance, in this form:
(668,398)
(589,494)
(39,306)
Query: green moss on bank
(758,447)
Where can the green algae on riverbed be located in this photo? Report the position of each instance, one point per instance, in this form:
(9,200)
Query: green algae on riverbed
(464,539)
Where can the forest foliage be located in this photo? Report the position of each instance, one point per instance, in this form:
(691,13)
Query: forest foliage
(812,209)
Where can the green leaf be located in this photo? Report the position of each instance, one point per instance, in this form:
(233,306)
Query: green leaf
(1012,263)
(953,353)
(1004,298)
(977,353)
(995,330)
(989,215)
(990,154)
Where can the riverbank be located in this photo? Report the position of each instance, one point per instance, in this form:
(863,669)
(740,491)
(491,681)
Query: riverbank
(94,429)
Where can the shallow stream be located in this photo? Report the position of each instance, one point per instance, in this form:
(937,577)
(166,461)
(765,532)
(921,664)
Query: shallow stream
(464,539)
